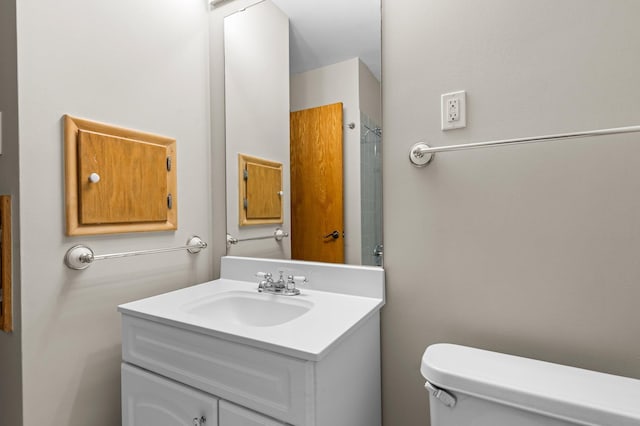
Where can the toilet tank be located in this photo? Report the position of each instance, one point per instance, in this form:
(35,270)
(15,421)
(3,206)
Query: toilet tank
(469,386)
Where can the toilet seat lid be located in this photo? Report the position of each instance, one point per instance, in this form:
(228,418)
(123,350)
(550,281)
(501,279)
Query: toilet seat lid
(564,392)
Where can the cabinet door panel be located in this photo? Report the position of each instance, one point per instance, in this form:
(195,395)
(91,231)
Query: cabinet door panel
(234,415)
(264,184)
(133,180)
(151,400)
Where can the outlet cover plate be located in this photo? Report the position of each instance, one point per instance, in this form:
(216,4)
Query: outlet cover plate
(453,110)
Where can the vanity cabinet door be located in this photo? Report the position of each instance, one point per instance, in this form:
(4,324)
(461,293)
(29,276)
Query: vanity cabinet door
(151,400)
(234,415)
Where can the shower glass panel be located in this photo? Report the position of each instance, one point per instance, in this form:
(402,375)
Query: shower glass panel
(371,190)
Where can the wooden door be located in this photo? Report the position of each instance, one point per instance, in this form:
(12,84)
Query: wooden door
(317,222)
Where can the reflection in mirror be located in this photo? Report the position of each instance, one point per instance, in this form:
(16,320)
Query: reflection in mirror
(302,89)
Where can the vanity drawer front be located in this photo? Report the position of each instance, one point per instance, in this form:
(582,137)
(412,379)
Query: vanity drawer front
(273,384)
(148,399)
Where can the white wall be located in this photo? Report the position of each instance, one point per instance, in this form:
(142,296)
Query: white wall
(328,85)
(11,365)
(532,249)
(370,93)
(140,64)
(256,58)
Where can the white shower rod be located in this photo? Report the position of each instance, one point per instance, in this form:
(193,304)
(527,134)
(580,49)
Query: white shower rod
(421,153)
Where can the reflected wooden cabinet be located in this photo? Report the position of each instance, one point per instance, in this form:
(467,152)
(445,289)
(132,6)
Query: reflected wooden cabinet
(260,189)
(118,180)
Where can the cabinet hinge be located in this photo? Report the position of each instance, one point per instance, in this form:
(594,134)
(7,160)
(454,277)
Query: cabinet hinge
(245,174)
(168,164)
(245,203)
(169,202)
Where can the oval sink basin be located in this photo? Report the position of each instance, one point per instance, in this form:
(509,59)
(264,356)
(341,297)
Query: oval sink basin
(256,310)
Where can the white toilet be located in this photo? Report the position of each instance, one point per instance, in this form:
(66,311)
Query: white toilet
(474,387)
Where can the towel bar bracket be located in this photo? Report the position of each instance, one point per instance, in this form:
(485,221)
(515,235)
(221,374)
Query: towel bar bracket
(419,158)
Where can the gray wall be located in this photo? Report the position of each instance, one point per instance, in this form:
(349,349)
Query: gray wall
(530,250)
(143,65)
(10,366)
(370,93)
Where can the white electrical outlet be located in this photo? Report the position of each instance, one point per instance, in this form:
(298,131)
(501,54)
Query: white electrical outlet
(454,110)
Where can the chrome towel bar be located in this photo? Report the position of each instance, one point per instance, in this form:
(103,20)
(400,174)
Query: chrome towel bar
(81,257)
(277,235)
(421,153)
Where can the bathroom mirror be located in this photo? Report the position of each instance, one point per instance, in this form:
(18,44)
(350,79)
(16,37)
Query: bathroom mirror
(302,88)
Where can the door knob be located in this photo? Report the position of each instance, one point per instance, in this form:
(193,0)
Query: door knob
(335,235)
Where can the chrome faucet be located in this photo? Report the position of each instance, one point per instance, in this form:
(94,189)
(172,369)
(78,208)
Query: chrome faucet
(281,286)
(266,282)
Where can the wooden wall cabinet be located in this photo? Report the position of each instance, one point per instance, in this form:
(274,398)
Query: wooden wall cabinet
(118,180)
(6,311)
(260,191)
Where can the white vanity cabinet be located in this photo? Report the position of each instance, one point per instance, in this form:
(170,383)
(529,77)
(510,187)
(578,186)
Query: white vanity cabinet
(341,389)
(198,356)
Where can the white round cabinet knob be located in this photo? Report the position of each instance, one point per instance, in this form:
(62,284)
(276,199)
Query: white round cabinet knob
(94,178)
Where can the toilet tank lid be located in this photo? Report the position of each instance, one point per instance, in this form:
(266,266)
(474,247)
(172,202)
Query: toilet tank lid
(569,393)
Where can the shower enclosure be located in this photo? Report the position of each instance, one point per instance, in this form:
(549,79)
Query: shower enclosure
(371,190)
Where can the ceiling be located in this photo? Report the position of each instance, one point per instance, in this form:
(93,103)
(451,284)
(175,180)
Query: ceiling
(325,32)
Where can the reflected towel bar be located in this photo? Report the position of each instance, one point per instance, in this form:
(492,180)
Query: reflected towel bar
(81,257)
(421,153)
(277,235)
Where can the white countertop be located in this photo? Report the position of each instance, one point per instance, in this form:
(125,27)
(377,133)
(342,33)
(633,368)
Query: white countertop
(310,336)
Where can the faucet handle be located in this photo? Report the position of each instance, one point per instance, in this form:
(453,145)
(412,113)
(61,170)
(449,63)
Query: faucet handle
(291,289)
(300,279)
(292,280)
(264,275)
